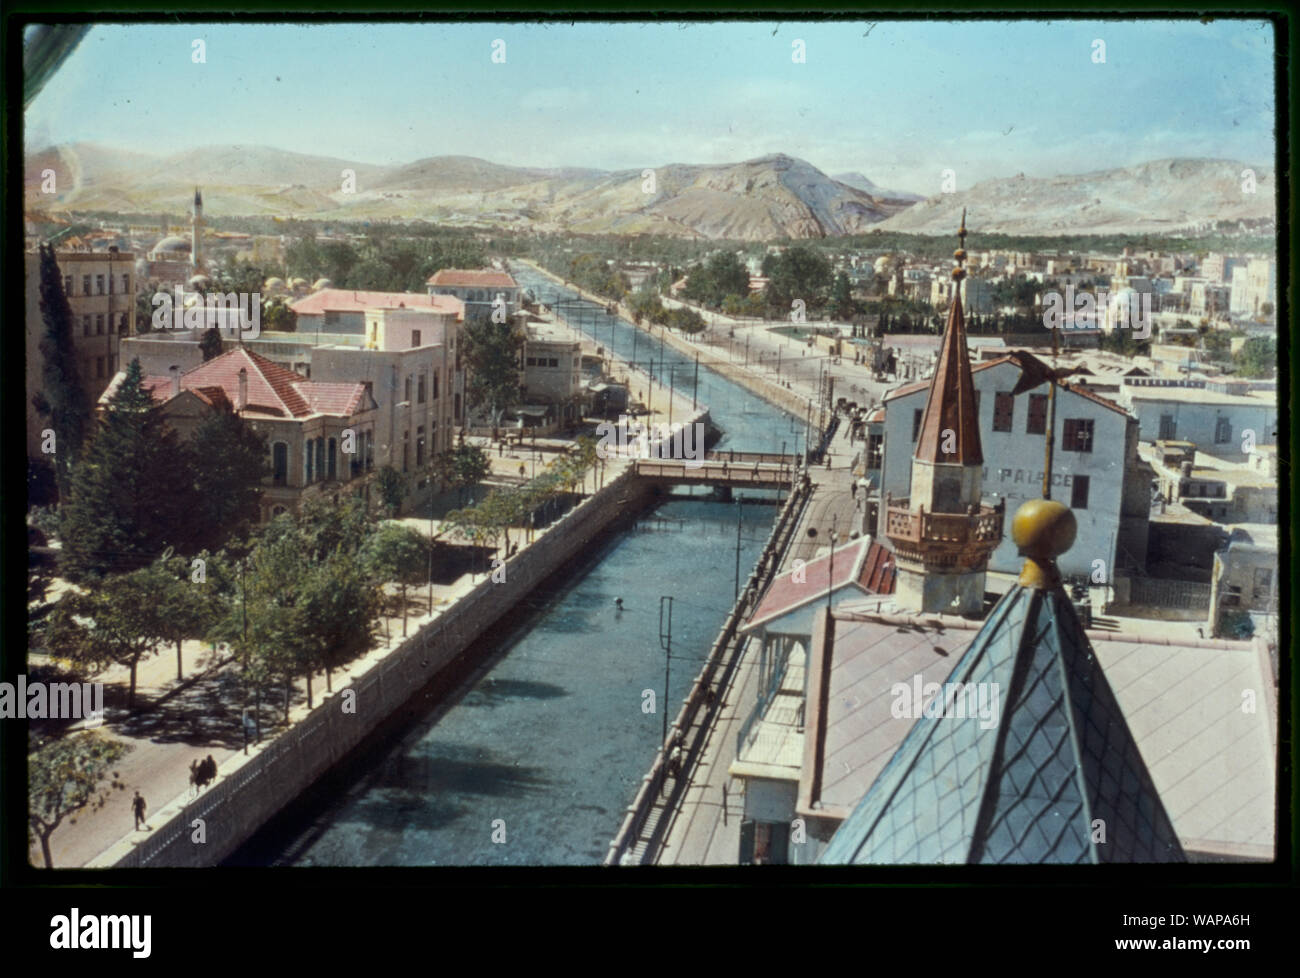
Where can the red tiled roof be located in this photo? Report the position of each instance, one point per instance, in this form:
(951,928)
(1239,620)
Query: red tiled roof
(479,278)
(271,388)
(878,570)
(353,300)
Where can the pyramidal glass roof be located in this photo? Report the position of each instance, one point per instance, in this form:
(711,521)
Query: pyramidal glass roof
(1044,770)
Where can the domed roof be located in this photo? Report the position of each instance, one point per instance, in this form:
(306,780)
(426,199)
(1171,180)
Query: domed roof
(295,282)
(197,280)
(322,283)
(274,282)
(173,243)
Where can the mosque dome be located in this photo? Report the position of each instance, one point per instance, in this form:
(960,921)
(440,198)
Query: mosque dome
(297,283)
(172,245)
(322,283)
(272,283)
(197,281)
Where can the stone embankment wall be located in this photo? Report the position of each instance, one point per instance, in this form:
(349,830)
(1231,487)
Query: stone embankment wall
(251,789)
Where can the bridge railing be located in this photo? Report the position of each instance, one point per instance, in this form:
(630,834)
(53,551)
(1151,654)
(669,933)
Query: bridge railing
(723,656)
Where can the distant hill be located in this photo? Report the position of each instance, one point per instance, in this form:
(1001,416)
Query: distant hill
(1160,196)
(761,199)
(859,182)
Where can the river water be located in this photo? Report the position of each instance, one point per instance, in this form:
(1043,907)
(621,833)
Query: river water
(532,759)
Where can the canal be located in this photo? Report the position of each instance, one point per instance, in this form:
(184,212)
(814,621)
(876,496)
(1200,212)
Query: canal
(531,758)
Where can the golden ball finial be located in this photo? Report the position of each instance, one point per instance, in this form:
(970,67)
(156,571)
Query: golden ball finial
(960,254)
(958,273)
(1043,529)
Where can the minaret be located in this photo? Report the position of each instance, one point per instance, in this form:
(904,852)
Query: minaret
(942,534)
(196,233)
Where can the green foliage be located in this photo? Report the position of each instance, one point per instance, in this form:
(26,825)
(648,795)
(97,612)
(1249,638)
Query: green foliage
(210,343)
(63,401)
(278,316)
(227,461)
(63,777)
(798,272)
(392,489)
(711,282)
(1257,357)
(130,497)
(117,621)
(491,353)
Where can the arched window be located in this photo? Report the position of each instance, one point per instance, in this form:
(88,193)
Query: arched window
(332,460)
(307,457)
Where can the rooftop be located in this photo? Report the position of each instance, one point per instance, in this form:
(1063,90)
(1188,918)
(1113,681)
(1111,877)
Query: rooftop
(352,300)
(484,278)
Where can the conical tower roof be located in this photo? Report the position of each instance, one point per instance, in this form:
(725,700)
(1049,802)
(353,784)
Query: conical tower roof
(950,405)
(1049,774)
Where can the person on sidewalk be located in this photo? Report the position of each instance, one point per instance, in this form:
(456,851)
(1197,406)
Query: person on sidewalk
(138,807)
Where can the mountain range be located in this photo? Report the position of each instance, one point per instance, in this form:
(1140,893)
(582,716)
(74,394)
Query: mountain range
(774,196)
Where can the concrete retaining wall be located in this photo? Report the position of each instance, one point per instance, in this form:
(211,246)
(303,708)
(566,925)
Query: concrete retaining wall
(251,789)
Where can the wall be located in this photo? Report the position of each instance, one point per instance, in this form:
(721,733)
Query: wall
(250,790)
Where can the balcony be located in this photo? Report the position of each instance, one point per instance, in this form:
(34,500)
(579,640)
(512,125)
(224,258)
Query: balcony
(943,538)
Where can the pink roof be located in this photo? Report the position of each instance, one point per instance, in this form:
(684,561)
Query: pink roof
(353,300)
(863,563)
(271,388)
(481,278)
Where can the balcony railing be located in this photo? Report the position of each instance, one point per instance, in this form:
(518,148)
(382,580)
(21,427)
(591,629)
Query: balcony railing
(952,529)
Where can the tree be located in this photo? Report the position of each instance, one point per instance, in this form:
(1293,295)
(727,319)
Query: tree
(491,353)
(186,608)
(1257,357)
(144,308)
(227,461)
(842,304)
(392,489)
(118,621)
(210,343)
(63,400)
(797,273)
(280,317)
(63,777)
(130,497)
(397,553)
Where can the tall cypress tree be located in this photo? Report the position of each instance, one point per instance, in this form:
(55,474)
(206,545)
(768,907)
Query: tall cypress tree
(131,496)
(63,400)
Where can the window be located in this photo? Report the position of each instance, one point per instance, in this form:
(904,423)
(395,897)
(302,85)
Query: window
(1077,436)
(406,451)
(122,324)
(332,463)
(99,324)
(1037,422)
(126,283)
(99,285)
(279,463)
(1004,406)
(310,447)
(110,283)
(1168,427)
(85,285)
(419,446)
(407,389)
(553,362)
(435,385)
(875,453)
(85,325)
(415,337)
(1222,430)
(1079,492)
(67,285)
(531,362)
(419,390)
(575,361)
(916,423)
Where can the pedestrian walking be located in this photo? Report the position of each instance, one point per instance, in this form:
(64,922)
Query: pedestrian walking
(138,807)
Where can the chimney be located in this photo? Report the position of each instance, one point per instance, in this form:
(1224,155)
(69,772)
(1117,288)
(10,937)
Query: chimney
(242,402)
(175,371)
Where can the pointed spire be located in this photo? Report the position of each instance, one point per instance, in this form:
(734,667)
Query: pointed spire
(198,198)
(950,406)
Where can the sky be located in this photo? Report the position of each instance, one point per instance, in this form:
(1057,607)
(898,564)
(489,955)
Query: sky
(898,101)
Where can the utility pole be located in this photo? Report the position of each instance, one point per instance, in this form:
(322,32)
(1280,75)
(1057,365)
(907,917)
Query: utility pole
(739,513)
(666,643)
(830,570)
(695,386)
